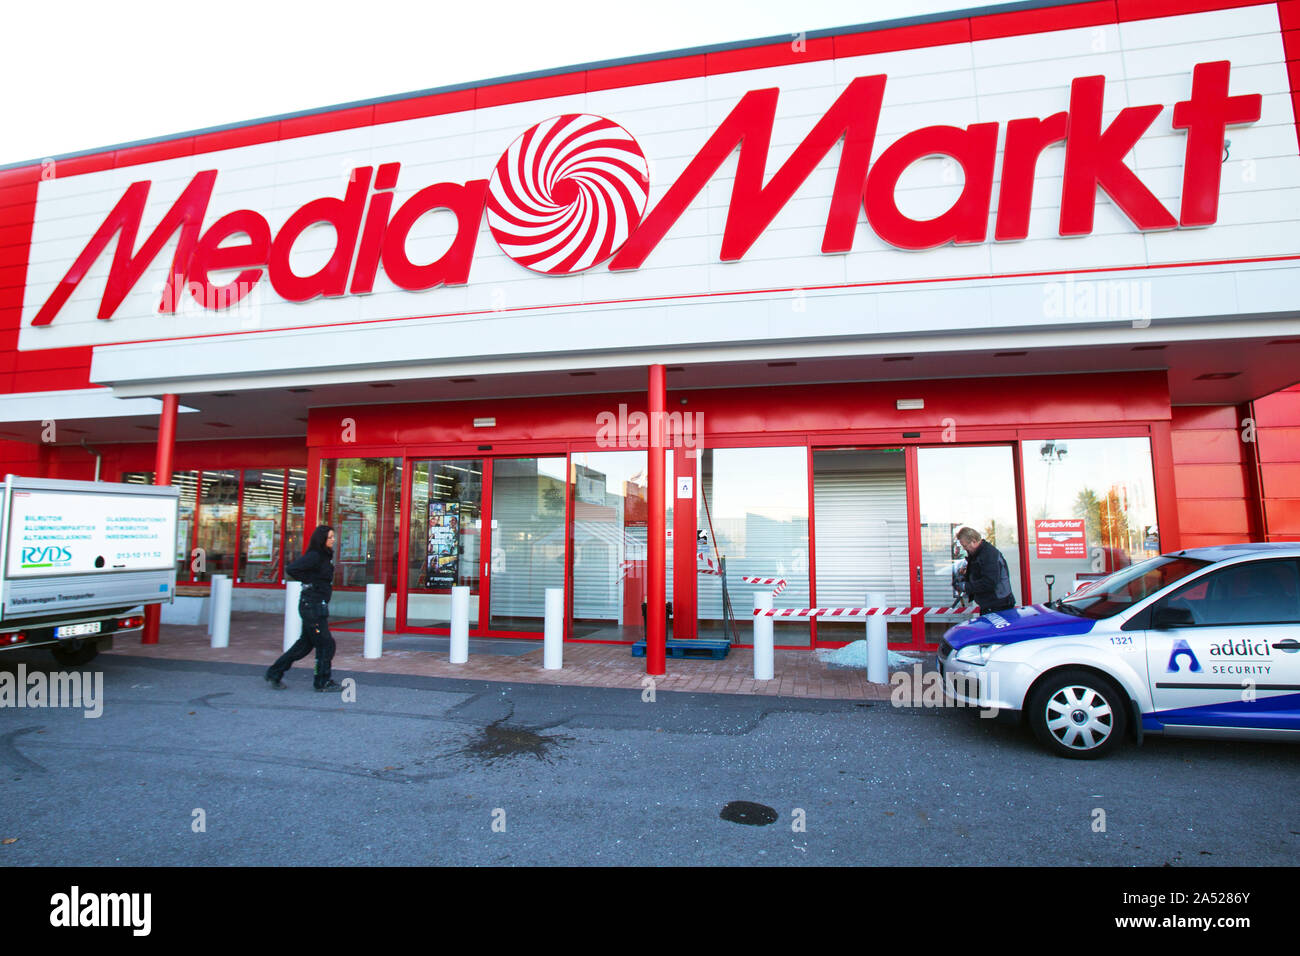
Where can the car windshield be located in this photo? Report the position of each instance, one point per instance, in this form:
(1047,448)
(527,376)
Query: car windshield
(1123,589)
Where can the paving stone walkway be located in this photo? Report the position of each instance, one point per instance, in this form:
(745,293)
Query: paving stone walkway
(256,639)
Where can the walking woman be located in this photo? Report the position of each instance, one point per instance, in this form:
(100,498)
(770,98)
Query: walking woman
(315,569)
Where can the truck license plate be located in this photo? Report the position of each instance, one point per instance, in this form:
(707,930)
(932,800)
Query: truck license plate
(75,630)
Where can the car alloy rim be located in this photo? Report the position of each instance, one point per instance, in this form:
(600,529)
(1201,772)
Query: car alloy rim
(1079,717)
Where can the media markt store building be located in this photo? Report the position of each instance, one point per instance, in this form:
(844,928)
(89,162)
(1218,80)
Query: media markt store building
(810,304)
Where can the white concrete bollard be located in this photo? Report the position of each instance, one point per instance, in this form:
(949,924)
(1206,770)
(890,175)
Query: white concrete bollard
(553,631)
(374,641)
(459,624)
(764,636)
(221,593)
(292,622)
(877,643)
(212,599)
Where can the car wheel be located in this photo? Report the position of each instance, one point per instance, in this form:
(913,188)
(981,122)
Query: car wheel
(75,656)
(1078,714)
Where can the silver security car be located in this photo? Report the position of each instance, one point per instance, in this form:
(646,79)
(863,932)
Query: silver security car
(1197,643)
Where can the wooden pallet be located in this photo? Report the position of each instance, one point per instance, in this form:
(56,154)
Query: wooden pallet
(711,648)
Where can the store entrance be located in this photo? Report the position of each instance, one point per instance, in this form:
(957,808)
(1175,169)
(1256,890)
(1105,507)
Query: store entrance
(885,524)
(494,525)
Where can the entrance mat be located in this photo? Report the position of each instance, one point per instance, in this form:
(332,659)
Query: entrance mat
(700,647)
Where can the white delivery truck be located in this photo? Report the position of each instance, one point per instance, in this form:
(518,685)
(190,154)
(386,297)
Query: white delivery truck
(79,559)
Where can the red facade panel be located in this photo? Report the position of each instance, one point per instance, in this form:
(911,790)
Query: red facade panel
(1197,540)
(1203,416)
(1278,409)
(1204,446)
(51,380)
(798,50)
(1150,9)
(327,122)
(1281,479)
(1280,444)
(656,71)
(904,38)
(1289,14)
(521,91)
(1022,22)
(433,105)
(1211,481)
(1283,519)
(234,138)
(1213,516)
(154,152)
(807,409)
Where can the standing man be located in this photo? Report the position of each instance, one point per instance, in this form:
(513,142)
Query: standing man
(988,581)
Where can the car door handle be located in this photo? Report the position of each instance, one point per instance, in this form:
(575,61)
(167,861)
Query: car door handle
(1290,644)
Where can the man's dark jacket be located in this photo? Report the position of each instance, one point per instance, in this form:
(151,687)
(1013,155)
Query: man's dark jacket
(988,581)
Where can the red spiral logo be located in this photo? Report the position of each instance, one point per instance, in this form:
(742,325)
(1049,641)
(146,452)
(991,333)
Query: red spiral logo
(567,193)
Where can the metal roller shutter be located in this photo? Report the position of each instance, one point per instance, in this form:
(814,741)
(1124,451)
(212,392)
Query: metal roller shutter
(861,527)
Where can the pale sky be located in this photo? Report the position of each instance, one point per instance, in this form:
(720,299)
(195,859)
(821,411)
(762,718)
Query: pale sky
(84,74)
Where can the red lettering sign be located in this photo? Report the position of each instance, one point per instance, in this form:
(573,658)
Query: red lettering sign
(370,234)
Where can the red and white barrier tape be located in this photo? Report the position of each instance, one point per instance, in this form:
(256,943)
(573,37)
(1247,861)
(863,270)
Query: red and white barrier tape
(859,611)
(779,582)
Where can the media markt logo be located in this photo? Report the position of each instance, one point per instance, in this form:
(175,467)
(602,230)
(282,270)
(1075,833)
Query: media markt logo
(48,556)
(1182,648)
(567,194)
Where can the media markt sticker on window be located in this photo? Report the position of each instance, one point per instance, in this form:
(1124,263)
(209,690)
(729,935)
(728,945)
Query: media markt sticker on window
(1060,538)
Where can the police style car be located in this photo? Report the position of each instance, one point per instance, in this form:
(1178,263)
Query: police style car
(1196,643)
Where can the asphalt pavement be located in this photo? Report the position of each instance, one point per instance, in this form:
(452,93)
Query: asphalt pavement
(200,763)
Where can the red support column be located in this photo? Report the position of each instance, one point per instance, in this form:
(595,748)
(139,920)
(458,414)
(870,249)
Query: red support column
(162,476)
(656,634)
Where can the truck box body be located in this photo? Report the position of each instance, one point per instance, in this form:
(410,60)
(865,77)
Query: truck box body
(77,551)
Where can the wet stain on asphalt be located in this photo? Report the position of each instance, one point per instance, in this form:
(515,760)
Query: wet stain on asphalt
(499,741)
(750,814)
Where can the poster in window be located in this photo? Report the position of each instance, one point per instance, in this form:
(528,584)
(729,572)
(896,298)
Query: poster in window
(1060,538)
(184,526)
(261,539)
(352,540)
(443,561)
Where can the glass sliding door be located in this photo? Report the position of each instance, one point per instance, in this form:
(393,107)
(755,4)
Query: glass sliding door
(361,498)
(527,540)
(860,520)
(960,486)
(609,523)
(755,500)
(443,549)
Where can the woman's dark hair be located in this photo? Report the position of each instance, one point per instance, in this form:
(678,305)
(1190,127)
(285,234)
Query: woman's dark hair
(318,539)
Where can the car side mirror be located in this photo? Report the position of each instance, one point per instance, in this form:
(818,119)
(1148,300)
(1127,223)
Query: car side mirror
(1168,617)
